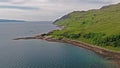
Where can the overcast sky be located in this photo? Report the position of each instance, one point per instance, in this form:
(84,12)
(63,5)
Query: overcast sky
(41,10)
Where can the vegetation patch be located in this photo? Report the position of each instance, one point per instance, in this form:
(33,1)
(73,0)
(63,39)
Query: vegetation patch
(100,27)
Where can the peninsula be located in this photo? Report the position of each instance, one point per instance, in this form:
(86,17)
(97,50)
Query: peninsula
(6,20)
(97,30)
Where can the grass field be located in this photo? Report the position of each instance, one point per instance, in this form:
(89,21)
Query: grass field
(98,26)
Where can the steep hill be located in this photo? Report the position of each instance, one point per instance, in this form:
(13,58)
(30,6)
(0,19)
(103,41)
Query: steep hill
(98,26)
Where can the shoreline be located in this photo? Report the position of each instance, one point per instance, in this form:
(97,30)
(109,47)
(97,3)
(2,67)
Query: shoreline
(110,55)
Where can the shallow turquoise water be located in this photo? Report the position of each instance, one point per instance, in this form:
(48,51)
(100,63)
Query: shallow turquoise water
(39,53)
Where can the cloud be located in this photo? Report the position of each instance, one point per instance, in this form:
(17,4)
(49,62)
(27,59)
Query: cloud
(18,7)
(46,9)
(4,0)
(87,1)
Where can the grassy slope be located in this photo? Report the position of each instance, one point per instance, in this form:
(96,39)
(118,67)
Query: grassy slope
(104,22)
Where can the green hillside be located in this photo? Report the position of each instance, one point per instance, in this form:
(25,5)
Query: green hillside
(98,26)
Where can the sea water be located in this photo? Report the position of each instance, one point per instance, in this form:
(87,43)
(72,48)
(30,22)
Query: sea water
(40,53)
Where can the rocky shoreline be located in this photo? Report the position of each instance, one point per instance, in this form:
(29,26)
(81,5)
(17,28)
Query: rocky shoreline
(108,54)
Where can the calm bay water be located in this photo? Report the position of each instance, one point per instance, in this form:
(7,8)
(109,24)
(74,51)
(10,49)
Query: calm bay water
(39,53)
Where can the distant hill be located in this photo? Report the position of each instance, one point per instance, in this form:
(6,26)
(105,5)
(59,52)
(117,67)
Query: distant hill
(6,20)
(98,26)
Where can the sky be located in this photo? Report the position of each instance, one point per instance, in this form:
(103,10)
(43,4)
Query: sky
(46,10)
